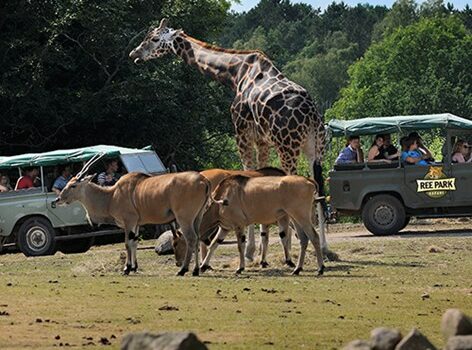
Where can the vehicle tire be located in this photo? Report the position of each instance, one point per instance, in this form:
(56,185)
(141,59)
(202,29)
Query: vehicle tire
(36,237)
(407,221)
(75,246)
(383,215)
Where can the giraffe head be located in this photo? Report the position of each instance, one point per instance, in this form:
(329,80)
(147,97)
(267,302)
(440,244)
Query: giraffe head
(157,43)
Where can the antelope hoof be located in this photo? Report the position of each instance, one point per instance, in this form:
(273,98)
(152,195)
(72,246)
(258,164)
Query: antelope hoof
(297,271)
(264,264)
(204,268)
(127,270)
(196,272)
(289,263)
(238,271)
(321,270)
(182,271)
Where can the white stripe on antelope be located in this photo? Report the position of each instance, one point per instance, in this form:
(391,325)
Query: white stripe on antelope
(139,199)
(240,201)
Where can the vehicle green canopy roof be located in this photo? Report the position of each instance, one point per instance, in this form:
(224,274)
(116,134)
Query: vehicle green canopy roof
(66,156)
(402,123)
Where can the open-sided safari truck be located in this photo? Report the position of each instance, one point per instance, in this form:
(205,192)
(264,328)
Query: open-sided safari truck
(29,218)
(387,195)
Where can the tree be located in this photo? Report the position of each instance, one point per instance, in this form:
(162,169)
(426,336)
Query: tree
(422,68)
(67,80)
(322,67)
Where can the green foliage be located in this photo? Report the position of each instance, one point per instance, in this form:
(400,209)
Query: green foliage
(422,68)
(67,80)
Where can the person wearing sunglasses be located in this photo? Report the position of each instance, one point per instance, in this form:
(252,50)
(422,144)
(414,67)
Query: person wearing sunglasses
(460,152)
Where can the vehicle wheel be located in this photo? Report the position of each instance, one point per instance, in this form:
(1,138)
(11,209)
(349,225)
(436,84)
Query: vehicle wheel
(80,245)
(407,221)
(36,237)
(383,215)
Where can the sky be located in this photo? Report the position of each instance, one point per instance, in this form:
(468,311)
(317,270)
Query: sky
(246,5)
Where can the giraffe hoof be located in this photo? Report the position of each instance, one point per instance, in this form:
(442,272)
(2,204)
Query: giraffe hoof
(182,271)
(289,263)
(135,268)
(297,271)
(321,270)
(196,272)
(264,264)
(331,256)
(204,268)
(238,271)
(127,270)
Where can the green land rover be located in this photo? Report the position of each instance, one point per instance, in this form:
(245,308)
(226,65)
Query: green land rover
(30,220)
(387,195)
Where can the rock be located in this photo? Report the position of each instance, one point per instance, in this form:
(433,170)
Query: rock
(415,340)
(454,322)
(358,345)
(459,342)
(164,244)
(163,341)
(384,338)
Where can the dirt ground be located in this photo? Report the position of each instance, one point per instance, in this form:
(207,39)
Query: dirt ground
(83,301)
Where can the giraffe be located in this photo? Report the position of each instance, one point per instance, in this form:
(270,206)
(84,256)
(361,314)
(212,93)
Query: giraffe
(268,109)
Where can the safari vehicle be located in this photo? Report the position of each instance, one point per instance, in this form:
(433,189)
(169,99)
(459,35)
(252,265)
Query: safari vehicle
(387,195)
(29,217)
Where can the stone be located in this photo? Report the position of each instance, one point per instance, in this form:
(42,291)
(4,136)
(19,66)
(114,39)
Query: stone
(162,341)
(454,322)
(164,244)
(415,340)
(459,342)
(385,338)
(358,345)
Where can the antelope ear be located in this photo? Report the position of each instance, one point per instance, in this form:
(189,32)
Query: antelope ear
(89,178)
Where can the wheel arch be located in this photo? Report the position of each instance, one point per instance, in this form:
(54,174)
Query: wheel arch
(370,195)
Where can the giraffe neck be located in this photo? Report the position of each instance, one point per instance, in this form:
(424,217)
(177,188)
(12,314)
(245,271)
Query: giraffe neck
(219,64)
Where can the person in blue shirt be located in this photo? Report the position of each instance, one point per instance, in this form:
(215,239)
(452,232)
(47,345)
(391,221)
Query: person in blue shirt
(411,154)
(352,153)
(62,180)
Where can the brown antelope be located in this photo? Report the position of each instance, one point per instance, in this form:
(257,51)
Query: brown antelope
(239,201)
(139,199)
(215,176)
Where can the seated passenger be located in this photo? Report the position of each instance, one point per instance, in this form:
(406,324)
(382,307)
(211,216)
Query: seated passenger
(421,147)
(62,180)
(461,152)
(352,153)
(412,155)
(5,185)
(377,150)
(30,176)
(110,176)
(390,151)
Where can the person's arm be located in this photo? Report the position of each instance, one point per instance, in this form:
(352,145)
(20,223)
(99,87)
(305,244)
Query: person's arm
(373,152)
(101,179)
(3,189)
(56,191)
(360,155)
(413,160)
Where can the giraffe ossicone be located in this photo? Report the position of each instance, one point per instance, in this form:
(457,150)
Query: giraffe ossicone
(268,109)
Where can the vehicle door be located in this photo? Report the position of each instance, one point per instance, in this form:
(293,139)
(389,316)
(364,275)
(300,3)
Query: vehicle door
(428,186)
(65,215)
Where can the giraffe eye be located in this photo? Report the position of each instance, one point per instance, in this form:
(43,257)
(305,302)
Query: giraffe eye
(155,39)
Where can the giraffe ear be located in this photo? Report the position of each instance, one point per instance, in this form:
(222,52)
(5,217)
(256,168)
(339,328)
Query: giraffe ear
(164,23)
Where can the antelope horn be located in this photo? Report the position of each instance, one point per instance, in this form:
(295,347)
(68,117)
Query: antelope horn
(87,165)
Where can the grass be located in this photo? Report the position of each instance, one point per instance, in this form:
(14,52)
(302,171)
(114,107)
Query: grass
(79,299)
